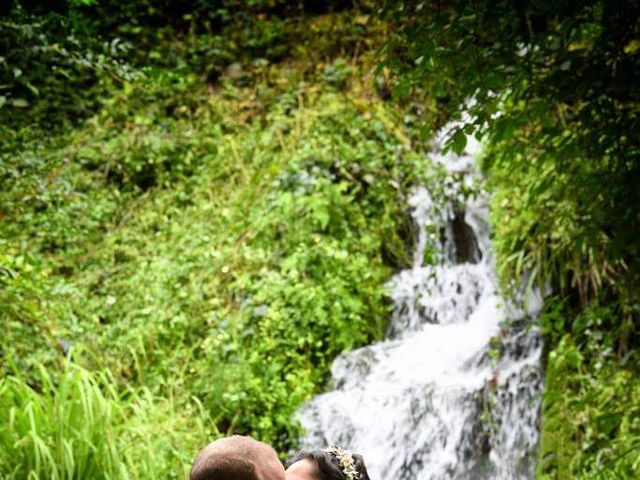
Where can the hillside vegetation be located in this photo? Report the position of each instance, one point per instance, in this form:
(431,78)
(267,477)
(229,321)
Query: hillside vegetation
(189,254)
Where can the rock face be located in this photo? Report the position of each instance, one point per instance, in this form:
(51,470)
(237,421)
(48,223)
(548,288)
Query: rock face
(432,401)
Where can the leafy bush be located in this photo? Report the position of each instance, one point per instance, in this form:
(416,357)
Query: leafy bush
(591,402)
(258,253)
(213,231)
(51,71)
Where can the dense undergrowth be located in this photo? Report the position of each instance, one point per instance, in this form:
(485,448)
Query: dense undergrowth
(188,259)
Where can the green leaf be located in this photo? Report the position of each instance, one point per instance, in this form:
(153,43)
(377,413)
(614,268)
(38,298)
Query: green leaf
(19,103)
(401,90)
(321,214)
(458,141)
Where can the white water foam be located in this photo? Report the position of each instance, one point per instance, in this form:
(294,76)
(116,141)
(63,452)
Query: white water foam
(429,402)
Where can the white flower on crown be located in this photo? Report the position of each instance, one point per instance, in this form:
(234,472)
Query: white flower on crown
(347,463)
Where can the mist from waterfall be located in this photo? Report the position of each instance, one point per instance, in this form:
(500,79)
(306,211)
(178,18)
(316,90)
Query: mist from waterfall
(454,390)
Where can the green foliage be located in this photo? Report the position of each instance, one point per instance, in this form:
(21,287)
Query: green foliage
(154,145)
(548,223)
(180,211)
(82,426)
(49,68)
(24,312)
(591,402)
(225,245)
(60,59)
(552,92)
(337,73)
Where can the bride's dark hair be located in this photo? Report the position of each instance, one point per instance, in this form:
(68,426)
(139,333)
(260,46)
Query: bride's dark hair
(329,466)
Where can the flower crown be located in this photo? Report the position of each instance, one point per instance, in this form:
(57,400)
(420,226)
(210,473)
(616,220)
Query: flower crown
(347,463)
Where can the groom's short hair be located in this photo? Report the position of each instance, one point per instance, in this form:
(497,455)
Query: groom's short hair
(232,458)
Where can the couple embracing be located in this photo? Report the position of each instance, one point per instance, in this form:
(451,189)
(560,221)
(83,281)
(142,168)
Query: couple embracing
(244,458)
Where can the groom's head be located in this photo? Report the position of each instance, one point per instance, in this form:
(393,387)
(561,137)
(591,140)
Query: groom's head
(237,458)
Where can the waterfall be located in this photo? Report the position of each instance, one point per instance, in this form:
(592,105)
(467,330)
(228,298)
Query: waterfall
(454,390)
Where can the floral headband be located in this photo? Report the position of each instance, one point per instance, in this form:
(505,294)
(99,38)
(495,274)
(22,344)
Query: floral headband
(347,463)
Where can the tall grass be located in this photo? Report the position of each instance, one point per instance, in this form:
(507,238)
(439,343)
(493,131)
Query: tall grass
(80,426)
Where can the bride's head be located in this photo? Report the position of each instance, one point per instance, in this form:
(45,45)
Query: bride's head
(333,463)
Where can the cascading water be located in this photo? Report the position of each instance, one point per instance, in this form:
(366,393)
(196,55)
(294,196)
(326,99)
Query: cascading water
(451,393)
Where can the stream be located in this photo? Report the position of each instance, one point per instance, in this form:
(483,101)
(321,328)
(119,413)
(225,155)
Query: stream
(453,391)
